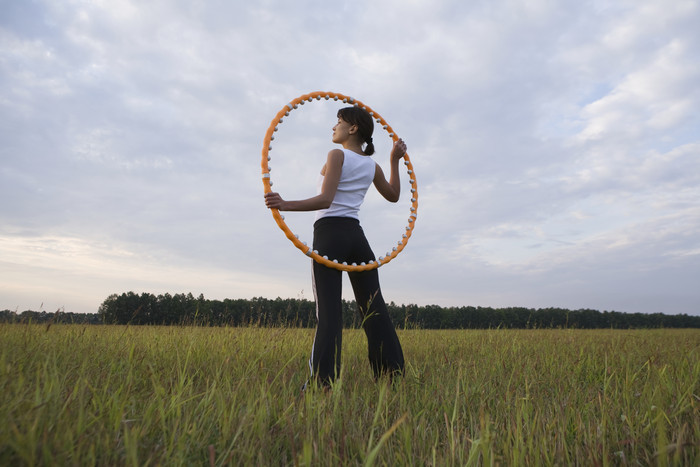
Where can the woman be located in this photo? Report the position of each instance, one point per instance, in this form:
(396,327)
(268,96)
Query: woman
(346,176)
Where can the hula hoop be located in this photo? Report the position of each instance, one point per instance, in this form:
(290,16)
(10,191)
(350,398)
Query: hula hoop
(279,218)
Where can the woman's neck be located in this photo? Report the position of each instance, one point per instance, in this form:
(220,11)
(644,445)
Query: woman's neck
(354,146)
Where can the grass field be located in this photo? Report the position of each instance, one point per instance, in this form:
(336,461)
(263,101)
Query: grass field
(109,395)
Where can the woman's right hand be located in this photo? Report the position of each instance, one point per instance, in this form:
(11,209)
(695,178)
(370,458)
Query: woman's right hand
(274,201)
(398,151)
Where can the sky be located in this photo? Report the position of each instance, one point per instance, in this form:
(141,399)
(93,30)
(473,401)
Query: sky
(556,148)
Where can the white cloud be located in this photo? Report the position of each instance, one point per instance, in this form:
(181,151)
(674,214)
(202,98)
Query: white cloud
(555,145)
(654,98)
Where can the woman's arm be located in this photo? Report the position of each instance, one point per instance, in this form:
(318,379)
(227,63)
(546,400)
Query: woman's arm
(323,200)
(391,190)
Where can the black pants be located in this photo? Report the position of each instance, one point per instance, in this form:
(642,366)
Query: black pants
(343,239)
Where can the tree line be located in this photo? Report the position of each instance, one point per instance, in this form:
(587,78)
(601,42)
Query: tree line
(186,309)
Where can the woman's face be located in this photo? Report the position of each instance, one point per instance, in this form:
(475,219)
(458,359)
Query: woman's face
(342,131)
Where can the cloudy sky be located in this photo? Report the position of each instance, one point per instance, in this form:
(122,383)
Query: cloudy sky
(556,146)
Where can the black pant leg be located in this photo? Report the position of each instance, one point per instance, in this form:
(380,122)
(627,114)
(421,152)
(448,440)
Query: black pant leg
(383,346)
(327,286)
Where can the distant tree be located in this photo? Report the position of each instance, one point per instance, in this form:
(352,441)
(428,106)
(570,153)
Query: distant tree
(186,309)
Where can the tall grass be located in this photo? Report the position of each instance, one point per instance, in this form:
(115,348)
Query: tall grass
(108,395)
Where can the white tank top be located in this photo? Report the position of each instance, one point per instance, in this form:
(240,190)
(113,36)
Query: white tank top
(356,176)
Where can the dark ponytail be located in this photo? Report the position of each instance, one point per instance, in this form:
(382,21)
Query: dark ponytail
(365,125)
(369,149)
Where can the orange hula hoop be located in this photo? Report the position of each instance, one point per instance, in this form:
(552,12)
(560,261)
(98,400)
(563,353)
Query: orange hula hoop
(279,218)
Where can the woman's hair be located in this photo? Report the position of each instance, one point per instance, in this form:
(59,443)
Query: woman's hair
(365,125)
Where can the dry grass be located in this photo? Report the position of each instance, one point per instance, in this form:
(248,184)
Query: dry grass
(109,395)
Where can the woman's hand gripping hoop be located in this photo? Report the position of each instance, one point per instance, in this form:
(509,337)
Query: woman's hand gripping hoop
(279,218)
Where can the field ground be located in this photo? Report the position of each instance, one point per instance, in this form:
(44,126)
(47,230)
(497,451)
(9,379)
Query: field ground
(118,395)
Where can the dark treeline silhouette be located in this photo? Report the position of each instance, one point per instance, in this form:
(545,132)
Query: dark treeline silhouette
(186,309)
(58,317)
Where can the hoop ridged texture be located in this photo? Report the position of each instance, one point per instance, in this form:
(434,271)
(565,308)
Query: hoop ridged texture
(279,218)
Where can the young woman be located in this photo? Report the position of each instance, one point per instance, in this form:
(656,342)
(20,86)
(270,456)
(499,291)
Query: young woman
(346,176)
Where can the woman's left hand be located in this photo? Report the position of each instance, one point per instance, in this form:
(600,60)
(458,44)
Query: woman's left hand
(274,201)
